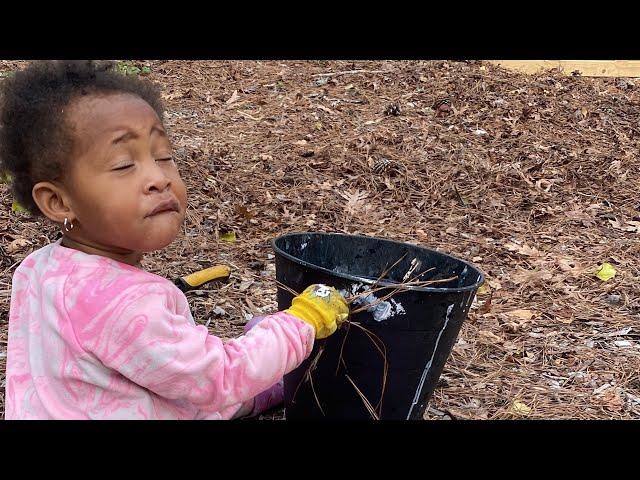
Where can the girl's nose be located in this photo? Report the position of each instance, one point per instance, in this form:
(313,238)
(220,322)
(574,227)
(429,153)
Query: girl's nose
(157,179)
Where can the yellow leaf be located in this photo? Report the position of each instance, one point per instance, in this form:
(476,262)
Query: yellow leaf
(605,272)
(520,408)
(484,289)
(228,236)
(16,207)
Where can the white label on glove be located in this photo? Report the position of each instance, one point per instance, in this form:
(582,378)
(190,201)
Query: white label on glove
(322,291)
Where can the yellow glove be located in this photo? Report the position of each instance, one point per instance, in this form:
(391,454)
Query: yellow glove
(322,307)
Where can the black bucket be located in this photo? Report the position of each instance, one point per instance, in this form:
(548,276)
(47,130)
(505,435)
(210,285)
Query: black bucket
(418,327)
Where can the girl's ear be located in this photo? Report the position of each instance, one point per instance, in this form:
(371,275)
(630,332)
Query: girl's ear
(52,202)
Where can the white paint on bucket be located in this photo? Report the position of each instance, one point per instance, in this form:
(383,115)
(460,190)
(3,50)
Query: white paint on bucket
(428,365)
(381,311)
(463,275)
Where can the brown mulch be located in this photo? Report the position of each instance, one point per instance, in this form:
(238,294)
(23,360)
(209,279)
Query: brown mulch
(533,178)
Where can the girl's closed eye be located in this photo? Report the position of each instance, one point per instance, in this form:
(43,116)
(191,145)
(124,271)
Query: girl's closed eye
(123,167)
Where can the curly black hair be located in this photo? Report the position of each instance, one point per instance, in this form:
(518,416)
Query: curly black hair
(35,141)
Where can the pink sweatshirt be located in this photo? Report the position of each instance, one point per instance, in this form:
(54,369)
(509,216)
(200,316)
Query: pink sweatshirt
(93,338)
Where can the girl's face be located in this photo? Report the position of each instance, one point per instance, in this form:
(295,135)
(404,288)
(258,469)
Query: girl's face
(124,187)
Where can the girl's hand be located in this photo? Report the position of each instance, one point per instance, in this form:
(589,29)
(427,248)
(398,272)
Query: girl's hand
(322,307)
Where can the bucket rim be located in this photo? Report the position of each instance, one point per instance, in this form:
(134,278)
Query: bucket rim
(355,278)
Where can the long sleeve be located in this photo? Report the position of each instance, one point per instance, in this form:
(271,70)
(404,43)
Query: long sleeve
(141,334)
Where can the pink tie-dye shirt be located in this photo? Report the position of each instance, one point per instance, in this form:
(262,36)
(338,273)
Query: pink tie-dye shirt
(92,338)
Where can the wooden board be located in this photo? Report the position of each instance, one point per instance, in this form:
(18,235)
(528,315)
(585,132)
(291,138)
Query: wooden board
(587,68)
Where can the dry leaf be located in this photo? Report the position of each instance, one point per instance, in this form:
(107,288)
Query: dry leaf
(488,338)
(325,109)
(564,315)
(612,400)
(570,266)
(602,388)
(525,249)
(234,97)
(524,277)
(631,225)
(355,201)
(519,408)
(17,245)
(521,314)
(486,306)
(579,215)
(243,212)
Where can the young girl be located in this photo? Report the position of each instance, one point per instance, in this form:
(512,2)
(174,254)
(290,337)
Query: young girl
(91,335)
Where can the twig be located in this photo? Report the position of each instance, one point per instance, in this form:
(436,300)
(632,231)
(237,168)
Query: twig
(366,402)
(313,389)
(403,287)
(249,116)
(307,374)
(344,340)
(385,368)
(288,289)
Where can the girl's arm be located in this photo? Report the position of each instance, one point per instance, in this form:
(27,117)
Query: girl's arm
(138,335)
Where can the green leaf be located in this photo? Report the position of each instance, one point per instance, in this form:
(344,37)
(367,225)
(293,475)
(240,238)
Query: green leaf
(127,68)
(5,178)
(228,236)
(121,67)
(605,272)
(16,207)
(146,70)
(484,289)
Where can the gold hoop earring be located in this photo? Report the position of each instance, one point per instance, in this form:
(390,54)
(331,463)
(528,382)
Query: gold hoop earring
(68,225)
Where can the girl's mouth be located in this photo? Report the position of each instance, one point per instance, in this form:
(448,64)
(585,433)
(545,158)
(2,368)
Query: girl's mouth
(165,206)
